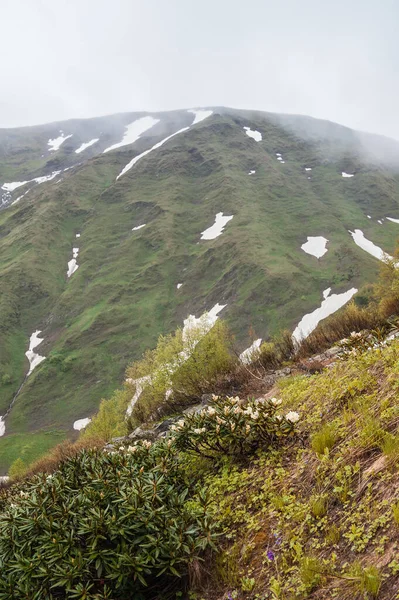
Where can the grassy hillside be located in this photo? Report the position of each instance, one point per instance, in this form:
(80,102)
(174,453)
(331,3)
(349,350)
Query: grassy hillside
(124,293)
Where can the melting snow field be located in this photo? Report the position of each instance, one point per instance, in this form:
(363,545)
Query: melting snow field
(200,115)
(10,187)
(81,423)
(158,145)
(2,428)
(346,174)
(72,264)
(217,228)
(255,135)
(56,142)
(139,227)
(34,359)
(316,246)
(86,145)
(367,245)
(134,131)
(390,219)
(251,353)
(329,305)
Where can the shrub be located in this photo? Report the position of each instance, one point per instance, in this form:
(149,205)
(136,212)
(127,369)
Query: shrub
(279,350)
(180,368)
(230,427)
(17,469)
(110,421)
(105,525)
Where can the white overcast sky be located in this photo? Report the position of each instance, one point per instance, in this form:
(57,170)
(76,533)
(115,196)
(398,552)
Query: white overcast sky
(333,59)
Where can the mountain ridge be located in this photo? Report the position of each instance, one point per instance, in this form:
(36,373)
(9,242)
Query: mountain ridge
(124,293)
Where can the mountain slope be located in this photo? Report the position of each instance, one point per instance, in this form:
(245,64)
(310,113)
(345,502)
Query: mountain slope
(124,293)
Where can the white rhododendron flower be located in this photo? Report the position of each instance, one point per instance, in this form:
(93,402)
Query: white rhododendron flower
(211,411)
(147,443)
(275,401)
(292,416)
(200,430)
(181,423)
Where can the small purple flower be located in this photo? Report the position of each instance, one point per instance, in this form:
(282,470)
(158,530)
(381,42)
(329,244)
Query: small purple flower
(270,555)
(229,596)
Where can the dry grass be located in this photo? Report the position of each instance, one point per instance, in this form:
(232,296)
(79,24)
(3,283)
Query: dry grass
(51,461)
(340,326)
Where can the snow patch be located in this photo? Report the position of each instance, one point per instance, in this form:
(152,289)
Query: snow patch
(329,305)
(45,178)
(316,246)
(368,216)
(72,264)
(390,219)
(251,172)
(308,168)
(81,423)
(10,187)
(139,227)
(346,174)
(205,322)
(255,135)
(2,428)
(199,115)
(379,221)
(34,359)
(134,131)
(78,235)
(179,286)
(158,145)
(86,145)
(56,142)
(251,353)
(217,228)
(140,384)
(367,245)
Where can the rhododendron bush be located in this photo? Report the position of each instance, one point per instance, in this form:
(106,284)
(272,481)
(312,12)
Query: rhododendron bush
(232,426)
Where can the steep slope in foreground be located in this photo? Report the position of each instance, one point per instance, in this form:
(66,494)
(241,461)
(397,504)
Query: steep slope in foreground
(133,223)
(312,512)
(319,519)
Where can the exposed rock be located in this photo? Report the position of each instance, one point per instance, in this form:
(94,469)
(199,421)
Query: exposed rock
(142,434)
(282,372)
(191,410)
(117,440)
(164,426)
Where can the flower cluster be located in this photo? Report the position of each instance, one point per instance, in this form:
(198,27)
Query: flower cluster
(362,341)
(233,426)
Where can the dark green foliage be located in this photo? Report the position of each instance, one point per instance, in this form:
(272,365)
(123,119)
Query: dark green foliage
(118,525)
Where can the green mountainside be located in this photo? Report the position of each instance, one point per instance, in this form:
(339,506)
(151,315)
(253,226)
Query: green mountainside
(124,293)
